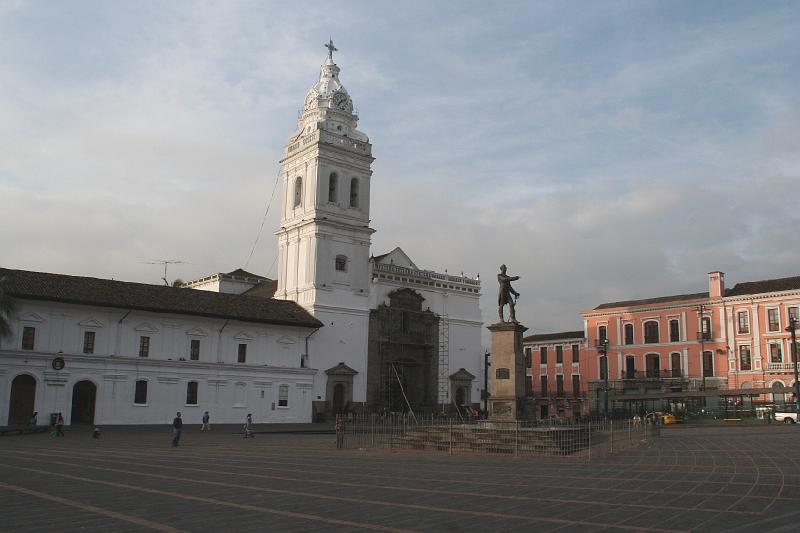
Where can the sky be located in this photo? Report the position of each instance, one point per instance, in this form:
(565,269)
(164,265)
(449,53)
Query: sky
(604,151)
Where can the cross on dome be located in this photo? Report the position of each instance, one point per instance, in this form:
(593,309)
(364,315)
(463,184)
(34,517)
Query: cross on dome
(331,48)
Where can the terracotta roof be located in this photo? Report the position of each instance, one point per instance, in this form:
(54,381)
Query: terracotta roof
(265,289)
(244,274)
(539,337)
(155,298)
(767,285)
(660,299)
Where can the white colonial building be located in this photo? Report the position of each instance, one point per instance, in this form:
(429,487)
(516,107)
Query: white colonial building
(111,352)
(339,330)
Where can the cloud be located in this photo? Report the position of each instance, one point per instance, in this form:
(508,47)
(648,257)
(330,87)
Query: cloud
(604,152)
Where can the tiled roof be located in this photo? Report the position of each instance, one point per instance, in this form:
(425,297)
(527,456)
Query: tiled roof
(767,285)
(540,337)
(265,289)
(660,299)
(25,284)
(244,274)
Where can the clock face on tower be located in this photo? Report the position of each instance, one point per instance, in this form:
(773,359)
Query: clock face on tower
(340,100)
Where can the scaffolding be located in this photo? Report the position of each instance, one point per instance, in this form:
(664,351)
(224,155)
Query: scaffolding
(444,361)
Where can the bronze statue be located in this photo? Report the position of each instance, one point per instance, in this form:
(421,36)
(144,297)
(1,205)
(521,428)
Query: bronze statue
(504,296)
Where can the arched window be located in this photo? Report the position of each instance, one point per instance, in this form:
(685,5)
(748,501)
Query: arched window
(354,192)
(283,396)
(602,334)
(674,331)
(630,367)
(675,364)
(333,183)
(298,191)
(651,332)
(191,393)
(628,333)
(341,263)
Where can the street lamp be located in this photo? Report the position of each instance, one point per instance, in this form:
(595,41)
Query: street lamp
(702,337)
(602,347)
(791,329)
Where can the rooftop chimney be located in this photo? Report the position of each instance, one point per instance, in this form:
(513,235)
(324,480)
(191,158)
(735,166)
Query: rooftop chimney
(716,284)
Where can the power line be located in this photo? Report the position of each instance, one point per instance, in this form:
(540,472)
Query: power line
(263,219)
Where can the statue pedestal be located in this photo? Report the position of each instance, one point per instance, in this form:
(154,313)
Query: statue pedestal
(508,372)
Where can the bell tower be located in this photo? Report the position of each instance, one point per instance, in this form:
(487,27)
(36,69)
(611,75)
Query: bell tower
(324,238)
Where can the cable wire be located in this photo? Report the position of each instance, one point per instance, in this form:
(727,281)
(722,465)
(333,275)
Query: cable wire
(263,220)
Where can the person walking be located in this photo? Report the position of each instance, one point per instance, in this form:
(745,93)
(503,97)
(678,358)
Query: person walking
(60,425)
(34,421)
(248,426)
(177,426)
(206,422)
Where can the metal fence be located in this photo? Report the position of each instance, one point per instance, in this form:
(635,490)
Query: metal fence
(547,438)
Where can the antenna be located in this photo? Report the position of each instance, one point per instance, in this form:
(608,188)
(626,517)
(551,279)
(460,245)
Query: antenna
(166,263)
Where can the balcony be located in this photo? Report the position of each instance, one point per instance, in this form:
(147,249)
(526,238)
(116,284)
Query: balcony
(780,367)
(704,336)
(653,374)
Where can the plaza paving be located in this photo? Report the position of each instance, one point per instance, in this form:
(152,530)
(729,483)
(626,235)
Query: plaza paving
(700,479)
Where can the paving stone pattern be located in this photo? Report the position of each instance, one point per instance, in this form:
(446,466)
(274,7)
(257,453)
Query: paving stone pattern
(692,479)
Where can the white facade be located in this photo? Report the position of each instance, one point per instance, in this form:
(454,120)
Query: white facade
(226,388)
(324,249)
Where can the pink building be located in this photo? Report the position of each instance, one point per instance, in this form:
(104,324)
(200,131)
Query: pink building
(721,350)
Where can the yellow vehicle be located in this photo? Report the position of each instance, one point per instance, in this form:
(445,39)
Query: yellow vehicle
(662,418)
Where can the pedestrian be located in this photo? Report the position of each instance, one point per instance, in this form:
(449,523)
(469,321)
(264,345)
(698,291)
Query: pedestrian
(637,420)
(34,421)
(339,432)
(248,426)
(60,425)
(206,424)
(177,426)
(96,433)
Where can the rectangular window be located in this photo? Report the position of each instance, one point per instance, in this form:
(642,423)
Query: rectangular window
(794,314)
(602,334)
(745,362)
(559,355)
(242,356)
(775,355)
(283,396)
(708,364)
(88,342)
(773,320)
(560,386)
(576,353)
(604,368)
(674,331)
(28,336)
(140,395)
(528,357)
(543,355)
(191,393)
(651,332)
(742,322)
(144,346)
(543,380)
(576,385)
(529,385)
(628,333)
(194,350)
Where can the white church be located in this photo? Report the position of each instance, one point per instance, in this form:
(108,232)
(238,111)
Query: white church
(341,330)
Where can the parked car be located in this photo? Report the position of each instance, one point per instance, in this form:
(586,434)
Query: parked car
(787,417)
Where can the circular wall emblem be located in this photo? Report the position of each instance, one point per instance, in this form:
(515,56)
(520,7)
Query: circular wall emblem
(58,363)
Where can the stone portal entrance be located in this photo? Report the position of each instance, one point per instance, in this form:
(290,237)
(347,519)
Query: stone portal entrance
(23,398)
(84,394)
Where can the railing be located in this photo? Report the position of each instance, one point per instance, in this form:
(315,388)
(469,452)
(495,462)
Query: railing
(704,336)
(543,438)
(652,374)
(329,138)
(426,274)
(780,366)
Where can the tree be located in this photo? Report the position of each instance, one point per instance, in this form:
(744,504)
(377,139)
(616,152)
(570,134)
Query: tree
(7,308)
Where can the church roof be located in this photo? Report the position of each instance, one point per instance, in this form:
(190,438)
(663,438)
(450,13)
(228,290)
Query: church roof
(100,292)
(241,273)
